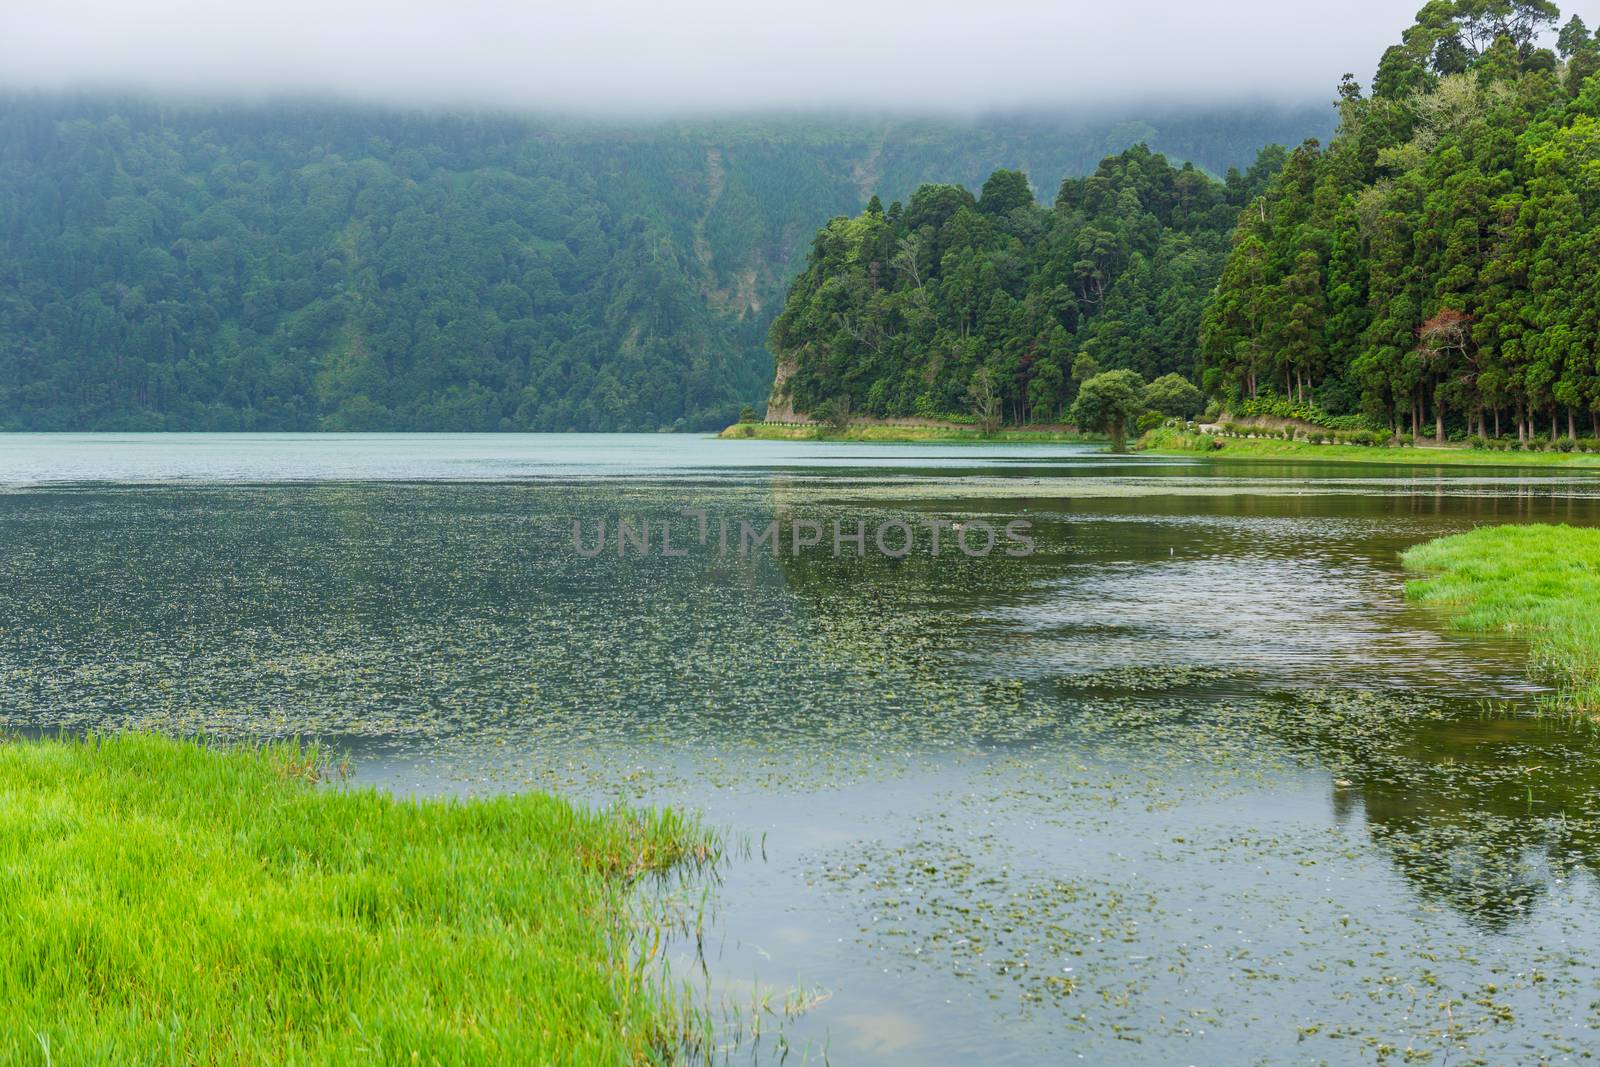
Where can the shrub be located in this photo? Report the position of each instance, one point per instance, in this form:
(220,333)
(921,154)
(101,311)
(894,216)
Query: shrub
(1175,395)
(1477,443)
(1175,438)
(835,414)
(1282,408)
(1364,438)
(1566,444)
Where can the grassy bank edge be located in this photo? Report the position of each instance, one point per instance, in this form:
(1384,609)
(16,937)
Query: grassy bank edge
(1537,582)
(174,901)
(766,431)
(1246,449)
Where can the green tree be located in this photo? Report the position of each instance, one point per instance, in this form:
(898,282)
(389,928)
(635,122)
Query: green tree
(1084,367)
(1109,403)
(1004,192)
(835,415)
(1574,38)
(1174,396)
(983,399)
(1046,391)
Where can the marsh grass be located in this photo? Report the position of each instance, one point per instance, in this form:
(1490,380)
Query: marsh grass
(165,901)
(1537,582)
(1162,442)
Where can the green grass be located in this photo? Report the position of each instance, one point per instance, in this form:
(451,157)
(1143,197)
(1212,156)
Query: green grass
(167,902)
(1540,583)
(768,431)
(1172,443)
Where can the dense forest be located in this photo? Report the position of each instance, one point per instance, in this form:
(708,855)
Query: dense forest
(954,301)
(299,266)
(1437,267)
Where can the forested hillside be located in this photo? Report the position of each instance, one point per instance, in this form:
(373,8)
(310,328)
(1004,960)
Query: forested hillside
(950,299)
(1437,266)
(303,267)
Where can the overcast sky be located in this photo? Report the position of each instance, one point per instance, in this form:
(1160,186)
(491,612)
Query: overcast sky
(707,55)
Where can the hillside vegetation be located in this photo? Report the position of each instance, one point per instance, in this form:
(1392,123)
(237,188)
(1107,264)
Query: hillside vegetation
(1434,268)
(306,266)
(954,303)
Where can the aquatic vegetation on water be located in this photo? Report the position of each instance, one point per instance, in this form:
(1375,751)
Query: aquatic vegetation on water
(979,917)
(171,902)
(1538,582)
(1174,916)
(1148,678)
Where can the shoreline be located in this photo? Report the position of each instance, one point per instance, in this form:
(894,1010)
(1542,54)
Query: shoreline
(893,434)
(1536,582)
(1244,450)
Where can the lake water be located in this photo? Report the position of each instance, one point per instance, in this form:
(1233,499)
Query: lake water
(1190,783)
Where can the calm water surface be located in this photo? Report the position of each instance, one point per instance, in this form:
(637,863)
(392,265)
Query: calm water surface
(1190,784)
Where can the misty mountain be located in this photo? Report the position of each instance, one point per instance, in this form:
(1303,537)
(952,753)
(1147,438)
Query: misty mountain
(302,266)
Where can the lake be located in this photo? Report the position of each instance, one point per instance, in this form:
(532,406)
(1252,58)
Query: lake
(1190,781)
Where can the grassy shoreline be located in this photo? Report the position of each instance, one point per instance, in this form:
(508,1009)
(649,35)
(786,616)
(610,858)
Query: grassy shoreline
(1246,449)
(165,901)
(769,431)
(1538,582)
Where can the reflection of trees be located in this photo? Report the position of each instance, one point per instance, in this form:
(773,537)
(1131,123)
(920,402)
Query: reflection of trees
(1476,812)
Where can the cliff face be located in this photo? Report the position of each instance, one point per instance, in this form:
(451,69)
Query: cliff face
(780,405)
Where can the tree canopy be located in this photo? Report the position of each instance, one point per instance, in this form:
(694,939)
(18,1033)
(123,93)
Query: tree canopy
(901,310)
(1433,268)
(1109,403)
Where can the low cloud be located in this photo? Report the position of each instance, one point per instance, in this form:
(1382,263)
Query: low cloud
(703,55)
